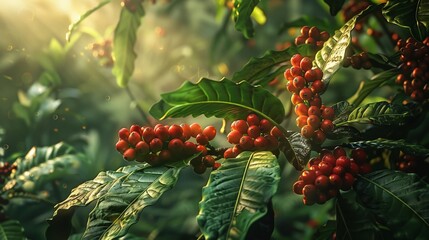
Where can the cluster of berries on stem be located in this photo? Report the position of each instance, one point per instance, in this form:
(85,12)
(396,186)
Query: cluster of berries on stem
(5,170)
(305,83)
(312,36)
(103,51)
(358,61)
(412,164)
(414,77)
(165,144)
(328,173)
(352,8)
(252,134)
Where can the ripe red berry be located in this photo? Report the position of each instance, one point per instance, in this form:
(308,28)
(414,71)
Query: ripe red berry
(298,186)
(121,146)
(252,119)
(299,82)
(316,101)
(309,191)
(228,153)
(322,198)
(306,64)
(310,40)
(276,132)
(152,159)
(324,36)
(129,154)
(187,132)
(254,131)
(319,136)
(313,161)
(216,166)
(327,126)
(260,143)
(288,74)
(301,109)
(175,131)
(354,168)
(306,93)
(321,182)
(310,75)
(189,148)
(317,86)
(304,31)
(329,158)
(265,125)
(234,137)
(296,99)
(314,121)
(319,73)
(296,71)
(210,132)
(348,181)
(314,32)
(343,161)
(308,176)
(209,161)
(339,151)
(155,145)
(142,148)
(202,139)
(123,134)
(328,113)
(359,155)
(164,156)
(246,143)
(176,146)
(335,180)
(202,149)
(200,169)
(134,138)
(314,110)
(240,125)
(135,128)
(301,121)
(195,129)
(161,132)
(339,170)
(307,131)
(325,168)
(237,150)
(295,60)
(148,134)
(290,87)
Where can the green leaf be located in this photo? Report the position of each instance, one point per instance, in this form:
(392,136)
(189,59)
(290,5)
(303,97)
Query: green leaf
(353,220)
(237,195)
(330,57)
(378,113)
(124,39)
(257,70)
(82,195)
(334,6)
(377,81)
(297,150)
(381,143)
(340,132)
(74,25)
(223,99)
(408,14)
(341,110)
(398,200)
(242,12)
(120,206)
(44,164)
(11,230)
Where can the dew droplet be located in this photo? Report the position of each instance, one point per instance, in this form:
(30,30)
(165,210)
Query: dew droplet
(6,147)
(83,127)
(55,129)
(67,109)
(55,117)
(108,98)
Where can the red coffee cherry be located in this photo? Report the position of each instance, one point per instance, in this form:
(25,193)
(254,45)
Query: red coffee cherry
(252,119)
(175,131)
(306,64)
(329,158)
(123,134)
(298,186)
(318,86)
(354,168)
(310,75)
(134,138)
(296,60)
(314,121)
(338,170)
(148,134)
(328,113)
(304,31)
(301,109)
(301,121)
(296,99)
(327,126)
(313,110)
(299,82)
(202,139)
(260,143)
(121,146)
(309,191)
(161,132)
(202,149)
(234,137)
(308,176)
(307,131)
(129,154)
(176,146)
(164,156)
(189,148)
(209,161)
(276,132)
(339,151)
(322,182)
(200,169)
(155,145)
(240,125)
(187,132)
(325,168)
(348,181)
(229,154)
(359,155)
(335,180)
(343,161)
(142,148)
(254,131)
(210,132)
(319,137)
(246,143)
(306,93)
(135,128)
(195,129)
(314,32)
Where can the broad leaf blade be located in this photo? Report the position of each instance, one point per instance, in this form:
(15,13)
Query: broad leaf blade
(381,143)
(74,25)
(334,6)
(242,11)
(43,164)
(297,150)
(11,230)
(223,99)
(237,195)
(126,198)
(257,69)
(341,110)
(378,113)
(423,13)
(399,200)
(377,81)
(124,39)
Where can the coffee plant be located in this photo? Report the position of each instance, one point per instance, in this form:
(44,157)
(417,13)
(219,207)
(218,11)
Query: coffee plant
(284,132)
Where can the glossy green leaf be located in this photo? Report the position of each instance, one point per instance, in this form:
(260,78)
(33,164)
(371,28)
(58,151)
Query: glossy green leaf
(297,150)
(381,143)
(334,6)
(124,39)
(44,164)
(377,81)
(330,57)
(11,230)
(258,70)
(378,113)
(121,205)
(223,99)
(355,221)
(74,25)
(340,132)
(399,200)
(408,14)
(341,110)
(237,195)
(242,15)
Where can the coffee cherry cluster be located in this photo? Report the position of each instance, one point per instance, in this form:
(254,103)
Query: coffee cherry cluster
(163,144)
(412,164)
(415,62)
(328,173)
(352,8)
(313,36)
(5,170)
(103,51)
(305,84)
(358,61)
(252,134)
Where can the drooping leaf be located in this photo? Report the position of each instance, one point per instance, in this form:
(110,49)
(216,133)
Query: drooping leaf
(297,150)
(242,12)
(224,99)
(74,25)
(377,81)
(334,6)
(341,110)
(257,69)
(43,164)
(355,221)
(398,200)
(11,230)
(378,113)
(306,20)
(380,143)
(237,194)
(124,39)
(408,14)
(121,205)
(82,195)
(340,132)
(330,57)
